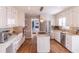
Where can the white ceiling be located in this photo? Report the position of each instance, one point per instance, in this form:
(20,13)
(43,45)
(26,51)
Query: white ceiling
(53,9)
(35,10)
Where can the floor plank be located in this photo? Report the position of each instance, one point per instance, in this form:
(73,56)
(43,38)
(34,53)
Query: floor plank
(30,47)
(27,47)
(57,48)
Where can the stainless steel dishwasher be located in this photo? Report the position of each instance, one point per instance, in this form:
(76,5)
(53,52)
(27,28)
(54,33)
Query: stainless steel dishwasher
(63,37)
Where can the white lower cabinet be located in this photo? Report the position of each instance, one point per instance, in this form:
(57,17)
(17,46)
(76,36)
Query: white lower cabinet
(75,44)
(57,36)
(72,43)
(12,44)
(68,44)
(18,42)
(43,44)
(52,35)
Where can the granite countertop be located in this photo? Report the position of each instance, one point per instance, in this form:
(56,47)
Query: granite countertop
(42,35)
(9,41)
(67,32)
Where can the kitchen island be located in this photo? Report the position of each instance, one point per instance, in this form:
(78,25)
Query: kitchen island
(43,43)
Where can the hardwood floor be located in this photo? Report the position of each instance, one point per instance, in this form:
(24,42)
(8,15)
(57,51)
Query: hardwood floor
(30,47)
(57,48)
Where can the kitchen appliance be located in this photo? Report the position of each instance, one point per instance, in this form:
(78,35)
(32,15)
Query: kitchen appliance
(4,36)
(63,36)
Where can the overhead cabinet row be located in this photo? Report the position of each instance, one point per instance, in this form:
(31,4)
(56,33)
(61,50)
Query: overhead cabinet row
(9,17)
(72,16)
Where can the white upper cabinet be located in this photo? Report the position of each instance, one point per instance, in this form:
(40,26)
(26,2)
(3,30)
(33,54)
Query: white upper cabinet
(71,15)
(61,19)
(11,16)
(3,17)
(68,15)
(75,16)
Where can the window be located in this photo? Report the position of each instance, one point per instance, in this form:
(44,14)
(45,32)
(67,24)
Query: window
(62,21)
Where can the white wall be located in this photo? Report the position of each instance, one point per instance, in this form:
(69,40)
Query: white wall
(53,21)
(21,18)
(28,22)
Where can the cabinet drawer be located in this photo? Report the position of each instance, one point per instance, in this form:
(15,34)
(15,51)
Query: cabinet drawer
(68,42)
(52,35)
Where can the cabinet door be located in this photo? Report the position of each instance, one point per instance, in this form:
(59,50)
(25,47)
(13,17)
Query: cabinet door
(14,16)
(57,36)
(11,16)
(52,35)
(69,17)
(75,16)
(68,42)
(75,44)
(43,44)
(2,17)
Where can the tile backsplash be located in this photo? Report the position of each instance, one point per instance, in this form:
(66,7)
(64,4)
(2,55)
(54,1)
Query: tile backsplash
(16,30)
(56,27)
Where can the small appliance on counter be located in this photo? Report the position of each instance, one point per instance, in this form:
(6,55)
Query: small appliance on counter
(4,35)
